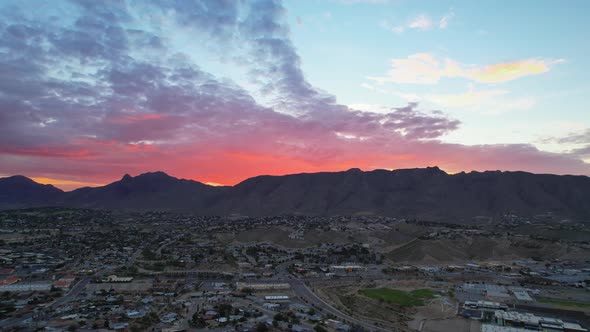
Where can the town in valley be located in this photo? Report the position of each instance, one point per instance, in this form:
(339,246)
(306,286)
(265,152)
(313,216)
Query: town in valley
(65,269)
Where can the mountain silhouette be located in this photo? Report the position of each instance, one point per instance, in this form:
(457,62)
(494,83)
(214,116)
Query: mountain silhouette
(423,193)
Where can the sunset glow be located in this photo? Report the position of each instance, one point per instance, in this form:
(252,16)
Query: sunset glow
(227,90)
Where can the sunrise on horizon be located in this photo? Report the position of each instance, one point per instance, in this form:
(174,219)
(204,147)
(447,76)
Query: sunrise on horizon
(221,91)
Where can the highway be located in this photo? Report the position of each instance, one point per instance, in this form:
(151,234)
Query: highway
(305,293)
(308,295)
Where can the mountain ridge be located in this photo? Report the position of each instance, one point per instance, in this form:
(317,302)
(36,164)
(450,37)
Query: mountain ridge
(427,193)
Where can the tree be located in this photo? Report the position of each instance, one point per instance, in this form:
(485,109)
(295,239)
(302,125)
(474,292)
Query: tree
(225,310)
(280,317)
(319,328)
(261,327)
(197,321)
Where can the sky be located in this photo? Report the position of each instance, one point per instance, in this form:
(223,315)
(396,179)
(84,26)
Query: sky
(221,90)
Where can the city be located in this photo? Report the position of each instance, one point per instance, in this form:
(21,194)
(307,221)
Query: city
(80,269)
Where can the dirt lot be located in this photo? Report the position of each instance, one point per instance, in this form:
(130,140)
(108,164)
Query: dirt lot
(440,315)
(452,324)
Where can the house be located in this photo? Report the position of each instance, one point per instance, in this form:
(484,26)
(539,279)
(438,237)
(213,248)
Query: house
(9,280)
(169,317)
(119,326)
(114,278)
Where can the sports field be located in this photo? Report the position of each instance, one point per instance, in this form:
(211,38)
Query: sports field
(399,297)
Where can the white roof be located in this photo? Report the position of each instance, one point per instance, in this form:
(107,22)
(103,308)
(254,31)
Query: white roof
(497,328)
(276,297)
(523,296)
(574,327)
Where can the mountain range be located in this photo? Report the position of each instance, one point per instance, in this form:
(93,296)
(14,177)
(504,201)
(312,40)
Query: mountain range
(423,193)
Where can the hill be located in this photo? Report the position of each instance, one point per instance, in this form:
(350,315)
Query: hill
(19,191)
(148,191)
(427,193)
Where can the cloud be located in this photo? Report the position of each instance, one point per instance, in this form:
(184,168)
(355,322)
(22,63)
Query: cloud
(425,68)
(576,138)
(89,101)
(444,21)
(509,71)
(486,101)
(419,68)
(576,144)
(421,22)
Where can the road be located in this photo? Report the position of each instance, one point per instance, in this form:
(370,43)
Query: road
(72,293)
(67,297)
(300,288)
(14,321)
(307,294)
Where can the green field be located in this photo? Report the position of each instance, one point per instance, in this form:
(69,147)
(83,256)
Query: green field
(565,303)
(404,299)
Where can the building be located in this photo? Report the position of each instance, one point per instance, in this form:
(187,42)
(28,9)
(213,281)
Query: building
(276,298)
(9,280)
(348,268)
(26,287)
(69,277)
(496,328)
(485,305)
(261,286)
(63,284)
(529,321)
(522,296)
(336,325)
(114,278)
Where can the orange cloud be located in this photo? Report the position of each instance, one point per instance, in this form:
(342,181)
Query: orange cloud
(503,72)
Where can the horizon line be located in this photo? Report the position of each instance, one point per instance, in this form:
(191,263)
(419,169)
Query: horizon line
(71,185)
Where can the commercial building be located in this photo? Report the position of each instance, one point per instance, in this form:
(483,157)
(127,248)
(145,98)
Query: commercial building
(348,268)
(523,296)
(26,287)
(529,321)
(114,278)
(485,305)
(276,298)
(261,286)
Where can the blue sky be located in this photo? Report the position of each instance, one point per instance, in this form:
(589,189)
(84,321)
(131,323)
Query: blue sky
(343,42)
